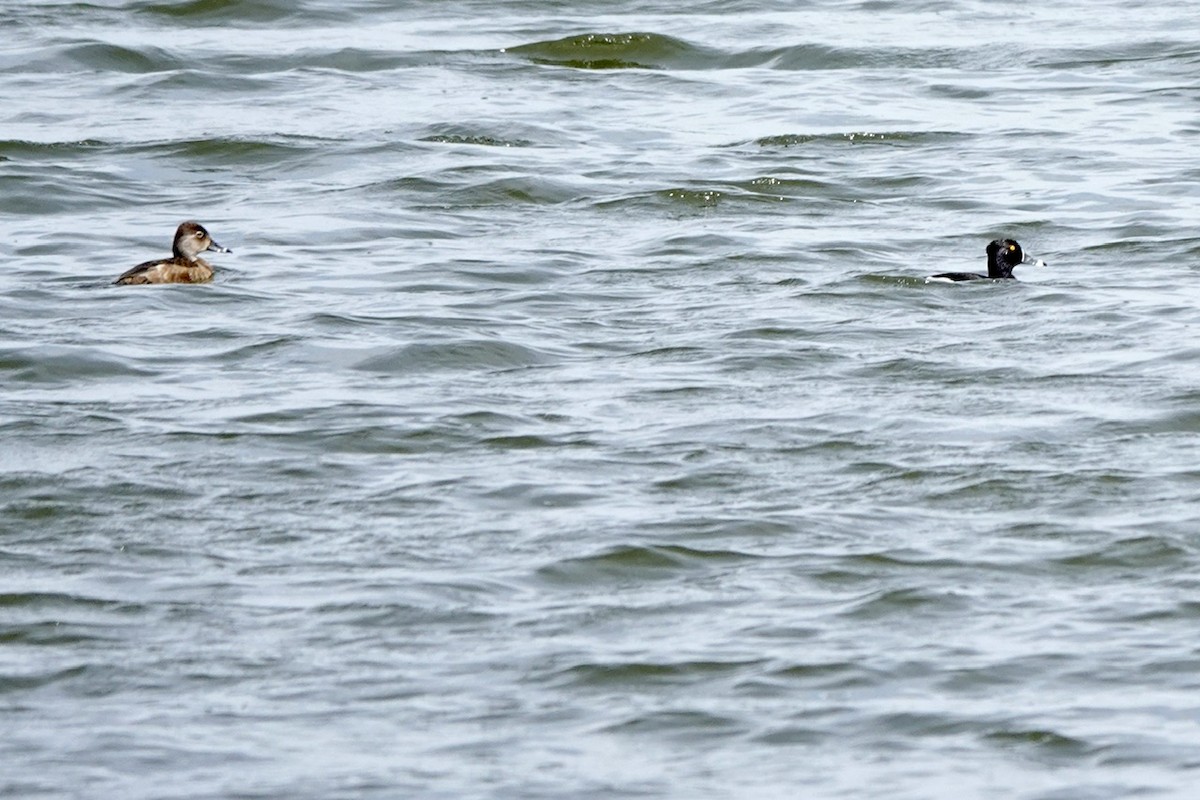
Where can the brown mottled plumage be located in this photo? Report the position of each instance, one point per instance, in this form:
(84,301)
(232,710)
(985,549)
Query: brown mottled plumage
(185,265)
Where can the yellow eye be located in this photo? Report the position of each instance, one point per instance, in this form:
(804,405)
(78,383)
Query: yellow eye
(1012,247)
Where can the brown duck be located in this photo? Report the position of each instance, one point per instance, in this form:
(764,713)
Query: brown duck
(185,265)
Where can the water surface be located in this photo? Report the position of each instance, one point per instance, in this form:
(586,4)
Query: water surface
(572,418)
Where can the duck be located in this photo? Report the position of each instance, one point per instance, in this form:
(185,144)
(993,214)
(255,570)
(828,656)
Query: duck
(185,264)
(1002,256)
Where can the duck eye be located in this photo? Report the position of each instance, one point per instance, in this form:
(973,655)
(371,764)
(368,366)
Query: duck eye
(1012,247)
(199,234)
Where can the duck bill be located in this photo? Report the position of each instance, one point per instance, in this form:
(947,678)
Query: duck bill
(216,248)
(1037,262)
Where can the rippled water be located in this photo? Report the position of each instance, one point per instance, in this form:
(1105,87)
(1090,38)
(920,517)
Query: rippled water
(572,419)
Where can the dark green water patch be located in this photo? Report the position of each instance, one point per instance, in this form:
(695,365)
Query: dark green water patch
(767,333)
(957,92)
(643,50)
(489,132)
(238,151)
(637,563)
(879,279)
(689,199)
(49,634)
(223,11)
(198,83)
(26,683)
(356,59)
(712,480)
(904,602)
(679,725)
(44,600)
(1045,741)
(887,562)
(1142,552)
(772,185)
(530,441)
(792,736)
(51,364)
(1104,57)
(472,189)
(114,58)
(823,674)
(913,724)
(681,198)
(482,354)
(890,138)
(49,190)
(483,140)
(697,198)
(680,353)
(519,190)
(12,149)
(606,51)
(641,674)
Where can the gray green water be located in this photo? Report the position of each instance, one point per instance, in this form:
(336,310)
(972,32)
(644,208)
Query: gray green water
(572,419)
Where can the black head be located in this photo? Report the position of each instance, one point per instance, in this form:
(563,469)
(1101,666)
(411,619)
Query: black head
(1003,255)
